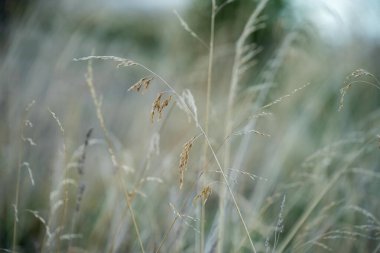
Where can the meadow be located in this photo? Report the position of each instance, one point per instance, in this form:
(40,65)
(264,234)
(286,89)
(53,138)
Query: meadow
(225,126)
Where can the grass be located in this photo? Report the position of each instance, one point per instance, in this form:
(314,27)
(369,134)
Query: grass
(240,154)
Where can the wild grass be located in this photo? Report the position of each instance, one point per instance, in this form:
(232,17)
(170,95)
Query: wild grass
(243,154)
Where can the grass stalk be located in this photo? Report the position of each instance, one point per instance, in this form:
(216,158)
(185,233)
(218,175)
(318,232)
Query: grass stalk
(14,239)
(18,180)
(65,208)
(239,53)
(209,78)
(166,234)
(207,117)
(202,226)
(115,163)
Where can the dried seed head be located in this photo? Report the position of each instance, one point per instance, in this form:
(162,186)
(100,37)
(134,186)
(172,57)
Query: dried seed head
(164,104)
(158,106)
(205,193)
(136,87)
(144,82)
(183,160)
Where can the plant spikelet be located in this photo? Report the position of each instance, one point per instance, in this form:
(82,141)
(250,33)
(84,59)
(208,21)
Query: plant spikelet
(144,82)
(158,106)
(205,193)
(186,103)
(183,160)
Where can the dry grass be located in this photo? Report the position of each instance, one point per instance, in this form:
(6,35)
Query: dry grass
(143,82)
(233,156)
(183,161)
(158,106)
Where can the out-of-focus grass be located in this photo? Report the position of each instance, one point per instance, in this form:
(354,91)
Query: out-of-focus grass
(309,187)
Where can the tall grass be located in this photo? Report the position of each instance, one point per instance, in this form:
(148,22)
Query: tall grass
(242,153)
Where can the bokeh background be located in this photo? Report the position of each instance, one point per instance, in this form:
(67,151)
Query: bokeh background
(315,154)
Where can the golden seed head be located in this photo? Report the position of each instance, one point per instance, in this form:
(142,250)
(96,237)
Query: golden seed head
(159,106)
(183,160)
(144,82)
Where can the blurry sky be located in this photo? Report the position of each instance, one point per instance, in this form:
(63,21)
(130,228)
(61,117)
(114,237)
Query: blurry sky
(130,5)
(338,21)
(148,4)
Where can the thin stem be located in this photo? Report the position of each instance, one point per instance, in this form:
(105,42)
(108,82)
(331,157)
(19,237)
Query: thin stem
(166,234)
(64,214)
(248,29)
(231,193)
(65,206)
(64,191)
(208,105)
(202,220)
(209,77)
(19,165)
(16,205)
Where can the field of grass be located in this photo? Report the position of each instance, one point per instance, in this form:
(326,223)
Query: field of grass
(139,133)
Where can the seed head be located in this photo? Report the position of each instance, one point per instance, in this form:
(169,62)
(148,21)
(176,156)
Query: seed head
(144,82)
(158,106)
(183,160)
(205,193)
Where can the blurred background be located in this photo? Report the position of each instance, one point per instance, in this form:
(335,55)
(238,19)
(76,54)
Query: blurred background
(319,43)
